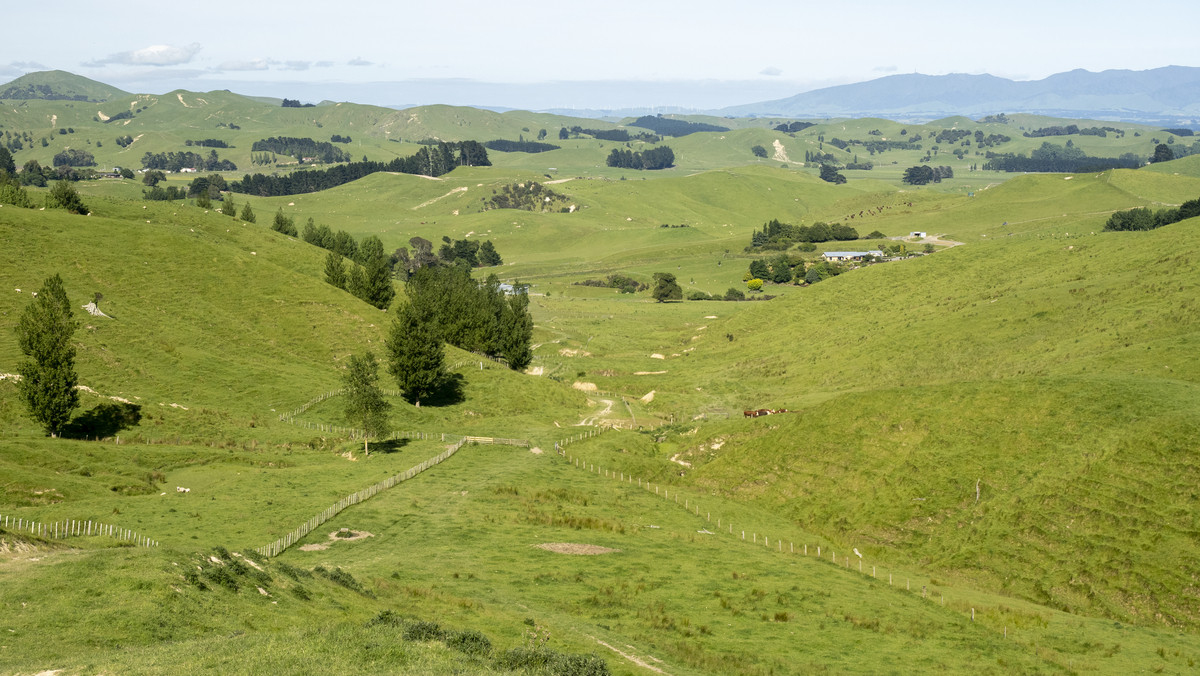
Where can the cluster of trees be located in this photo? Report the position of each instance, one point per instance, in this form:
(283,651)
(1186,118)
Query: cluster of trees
(302,148)
(829,174)
(72,157)
(33,173)
(1056,158)
(758,151)
(62,194)
(990,140)
(778,270)
(429,161)
(172,161)
(16,142)
(446,305)
(1162,153)
(123,115)
(157,193)
(732,294)
(661,157)
(38,91)
(124,141)
(470,252)
(1145,219)
(342,243)
(666,126)
(793,127)
(521,146)
(925,174)
(369,277)
(816,156)
(616,281)
(208,143)
(295,103)
(777,235)
(1068,130)
(338,138)
(951,135)
(532,196)
(11,191)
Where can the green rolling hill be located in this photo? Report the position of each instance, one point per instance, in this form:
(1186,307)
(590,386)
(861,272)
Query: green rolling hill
(1000,433)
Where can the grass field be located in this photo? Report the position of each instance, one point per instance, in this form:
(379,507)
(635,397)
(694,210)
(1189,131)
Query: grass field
(1002,430)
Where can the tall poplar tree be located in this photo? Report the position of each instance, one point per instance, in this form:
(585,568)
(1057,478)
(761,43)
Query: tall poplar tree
(44,332)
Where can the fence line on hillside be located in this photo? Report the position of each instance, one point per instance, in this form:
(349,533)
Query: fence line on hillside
(279,546)
(824,552)
(74,528)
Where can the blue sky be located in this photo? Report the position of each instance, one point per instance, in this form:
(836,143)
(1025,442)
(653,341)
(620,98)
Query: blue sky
(619,53)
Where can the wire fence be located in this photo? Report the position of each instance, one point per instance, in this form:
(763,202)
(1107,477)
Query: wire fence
(279,546)
(718,525)
(75,528)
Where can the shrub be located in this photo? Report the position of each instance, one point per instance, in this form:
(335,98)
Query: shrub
(63,196)
(423,631)
(386,618)
(341,577)
(470,642)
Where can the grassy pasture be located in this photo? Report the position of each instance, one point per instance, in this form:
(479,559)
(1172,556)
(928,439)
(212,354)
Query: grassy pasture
(1049,364)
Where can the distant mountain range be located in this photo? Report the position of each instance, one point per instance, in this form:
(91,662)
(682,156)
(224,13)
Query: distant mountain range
(1169,95)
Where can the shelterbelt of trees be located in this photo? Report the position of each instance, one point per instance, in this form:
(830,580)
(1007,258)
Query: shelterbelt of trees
(428,161)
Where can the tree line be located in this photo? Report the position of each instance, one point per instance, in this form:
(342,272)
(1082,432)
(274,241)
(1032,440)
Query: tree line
(506,146)
(301,148)
(1145,219)
(661,157)
(1060,159)
(793,127)
(429,161)
(925,174)
(777,235)
(1071,129)
(208,143)
(177,161)
(666,126)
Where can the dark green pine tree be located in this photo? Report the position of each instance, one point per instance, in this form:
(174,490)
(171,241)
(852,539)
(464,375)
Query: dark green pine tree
(48,379)
(335,271)
(415,355)
(488,256)
(517,331)
(365,404)
(377,283)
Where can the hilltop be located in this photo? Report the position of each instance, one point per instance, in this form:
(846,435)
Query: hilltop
(59,85)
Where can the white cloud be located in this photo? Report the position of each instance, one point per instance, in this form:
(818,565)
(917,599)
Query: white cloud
(253,64)
(296,65)
(154,55)
(359,61)
(323,64)
(771,71)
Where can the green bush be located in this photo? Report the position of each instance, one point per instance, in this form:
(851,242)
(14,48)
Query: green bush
(469,642)
(423,631)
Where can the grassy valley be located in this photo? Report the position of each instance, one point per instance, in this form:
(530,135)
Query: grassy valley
(986,463)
